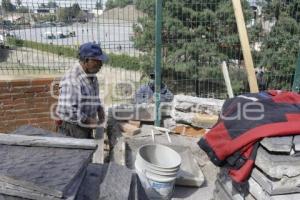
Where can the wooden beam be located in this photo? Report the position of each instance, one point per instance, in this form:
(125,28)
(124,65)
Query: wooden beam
(40,141)
(245,45)
(227,79)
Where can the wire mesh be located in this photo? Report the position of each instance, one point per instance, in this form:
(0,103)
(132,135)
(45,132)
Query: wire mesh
(198,35)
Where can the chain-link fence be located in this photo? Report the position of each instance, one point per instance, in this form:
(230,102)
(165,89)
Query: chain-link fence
(198,35)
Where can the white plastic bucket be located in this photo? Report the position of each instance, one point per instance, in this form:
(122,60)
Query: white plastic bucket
(157,166)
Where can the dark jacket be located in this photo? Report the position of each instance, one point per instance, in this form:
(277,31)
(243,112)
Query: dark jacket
(233,141)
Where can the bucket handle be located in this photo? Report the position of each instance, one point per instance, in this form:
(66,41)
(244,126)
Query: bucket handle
(167,131)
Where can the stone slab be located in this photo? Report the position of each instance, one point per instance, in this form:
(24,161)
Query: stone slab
(257,191)
(42,141)
(202,105)
(46,170)
(90,187)
(33,131)
(277,166)
(182,117)
(184,106)
(116,184)
(204,120)
(220,193)
(296,142)
(285,185)
(278,144)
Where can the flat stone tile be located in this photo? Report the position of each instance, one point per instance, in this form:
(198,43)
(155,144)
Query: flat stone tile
(285,185)
(257,191)
(47,170)
(116,184)
(90,187)
(278,144)
(277,166)
(184,107)
(296,142)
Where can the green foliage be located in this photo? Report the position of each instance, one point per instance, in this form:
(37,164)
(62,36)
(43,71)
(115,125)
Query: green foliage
(99,5)
(115,60)
(7,6)
(117,3)
(68,14)
(22,9)
(196,38)
(124,61)
(280,47)
(52,4)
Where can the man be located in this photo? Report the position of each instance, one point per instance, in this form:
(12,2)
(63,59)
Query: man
(79,106)
(145,93)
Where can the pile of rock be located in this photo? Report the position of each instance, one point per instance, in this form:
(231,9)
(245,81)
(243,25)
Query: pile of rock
(276,174)
(186,115)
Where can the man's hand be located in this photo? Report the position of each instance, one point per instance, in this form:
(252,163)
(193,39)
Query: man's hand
(101,115)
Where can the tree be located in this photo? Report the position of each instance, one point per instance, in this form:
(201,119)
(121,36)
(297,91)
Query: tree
(99,5)
(196,39)
(52,4)
(19,3)
(117,3)
(8,6)
(75,9)
(280,47)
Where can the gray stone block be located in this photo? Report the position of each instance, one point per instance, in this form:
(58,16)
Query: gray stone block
(116,184)
(226,183)
(260,194)
(285,185)
(277,166)
(220,192)
(46,170)
(169,123)
(90,187)
(278,144)
(296,142)
(184,106)
(7,197)
(201,105)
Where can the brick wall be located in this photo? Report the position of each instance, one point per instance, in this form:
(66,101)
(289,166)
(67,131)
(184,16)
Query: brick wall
(27,101)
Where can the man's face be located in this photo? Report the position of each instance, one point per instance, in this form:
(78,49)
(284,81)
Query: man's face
(93,66)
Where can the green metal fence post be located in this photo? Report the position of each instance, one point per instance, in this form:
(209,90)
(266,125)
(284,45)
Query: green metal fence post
(296,84)
(158,44)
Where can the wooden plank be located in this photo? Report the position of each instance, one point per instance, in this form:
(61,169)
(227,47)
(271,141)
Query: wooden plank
(239,16)
(227,79)
(40,141)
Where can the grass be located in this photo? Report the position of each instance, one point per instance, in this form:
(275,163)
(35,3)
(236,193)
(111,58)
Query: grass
(123,61)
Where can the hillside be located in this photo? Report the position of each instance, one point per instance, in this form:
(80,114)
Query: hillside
(128,13)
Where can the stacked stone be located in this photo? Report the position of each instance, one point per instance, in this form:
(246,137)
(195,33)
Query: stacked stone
(276,175)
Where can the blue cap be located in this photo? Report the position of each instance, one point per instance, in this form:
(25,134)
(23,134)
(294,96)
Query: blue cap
(92,50)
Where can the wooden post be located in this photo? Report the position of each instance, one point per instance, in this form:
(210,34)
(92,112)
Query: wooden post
(227,79)
(245,45)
